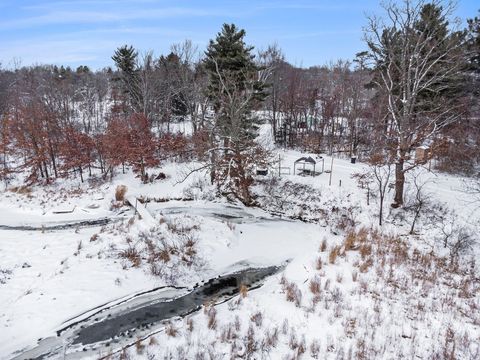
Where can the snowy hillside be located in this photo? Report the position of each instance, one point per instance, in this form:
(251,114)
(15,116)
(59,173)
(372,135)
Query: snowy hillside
(350,287)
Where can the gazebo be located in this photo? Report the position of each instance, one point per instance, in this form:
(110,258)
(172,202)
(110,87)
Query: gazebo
(304,162)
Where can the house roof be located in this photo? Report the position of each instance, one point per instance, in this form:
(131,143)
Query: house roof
(308,159)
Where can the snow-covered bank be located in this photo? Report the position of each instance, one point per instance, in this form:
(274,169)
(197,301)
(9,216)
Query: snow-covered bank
(49,277)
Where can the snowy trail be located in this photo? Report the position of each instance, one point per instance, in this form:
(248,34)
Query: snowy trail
(140,209)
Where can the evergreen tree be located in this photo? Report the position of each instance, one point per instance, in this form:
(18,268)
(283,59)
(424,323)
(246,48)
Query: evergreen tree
(473,45)
(233,86)
(125,59)
(173,67)
(433,28)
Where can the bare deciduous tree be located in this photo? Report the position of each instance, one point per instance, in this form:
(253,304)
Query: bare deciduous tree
(420,199)
(415,56)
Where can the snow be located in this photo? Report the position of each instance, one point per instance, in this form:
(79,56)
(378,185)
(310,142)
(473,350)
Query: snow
(50,276)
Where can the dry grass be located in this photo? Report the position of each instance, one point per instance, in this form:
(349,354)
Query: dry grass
(212,317)
(132,255)
(411,285)
(243,291)
(365,250)
(350,241)
(315,349)
(292,292)
(315,285)
(139,346)
(354,275)
(333,254)
(190,324)
(22,190)
(323,245)
(257,318)
(271,338)
(171,330)
(339,278)
(365,265)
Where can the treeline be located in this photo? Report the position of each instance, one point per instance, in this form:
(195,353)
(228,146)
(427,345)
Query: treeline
(417,84)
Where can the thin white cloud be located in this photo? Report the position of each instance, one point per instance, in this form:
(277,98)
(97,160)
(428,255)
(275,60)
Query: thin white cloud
(94,46)
(117,15)
(55,51)
(45,5)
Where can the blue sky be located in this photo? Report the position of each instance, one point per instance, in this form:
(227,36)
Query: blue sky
(75,32)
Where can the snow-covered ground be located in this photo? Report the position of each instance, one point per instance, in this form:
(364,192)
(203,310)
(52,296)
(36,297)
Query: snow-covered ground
(386,294)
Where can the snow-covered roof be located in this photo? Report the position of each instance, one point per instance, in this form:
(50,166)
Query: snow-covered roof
(308,159)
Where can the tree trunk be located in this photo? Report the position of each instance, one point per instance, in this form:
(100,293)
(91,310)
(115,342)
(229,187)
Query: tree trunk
(46,170)
(380,215)
(399,184)
(54,164)
(213,159)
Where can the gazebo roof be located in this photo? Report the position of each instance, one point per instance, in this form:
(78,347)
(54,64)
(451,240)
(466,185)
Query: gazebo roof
(308,159)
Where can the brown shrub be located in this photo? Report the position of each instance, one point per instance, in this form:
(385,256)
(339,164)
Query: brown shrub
(23,190)
(190,324)
(366,265)
(170,330)
(334,252)
(350,239)
(139,346)
(271,339)
(257,319)
(365,250)
(315,285)
(132,255)
(362,235)
(120,192)
(243,291)
(293,293)
(212,318)
(323,245)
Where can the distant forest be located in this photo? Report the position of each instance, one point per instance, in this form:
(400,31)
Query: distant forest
(417,84)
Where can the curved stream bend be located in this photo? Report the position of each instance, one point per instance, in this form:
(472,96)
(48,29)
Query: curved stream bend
(115,327)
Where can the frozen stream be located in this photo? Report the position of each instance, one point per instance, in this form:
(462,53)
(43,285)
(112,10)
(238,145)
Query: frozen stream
(118,325)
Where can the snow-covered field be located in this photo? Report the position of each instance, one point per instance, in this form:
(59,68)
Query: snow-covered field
(350,290)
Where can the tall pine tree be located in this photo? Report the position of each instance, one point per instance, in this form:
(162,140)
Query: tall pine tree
(473,44)
(125,59)
(233,87)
